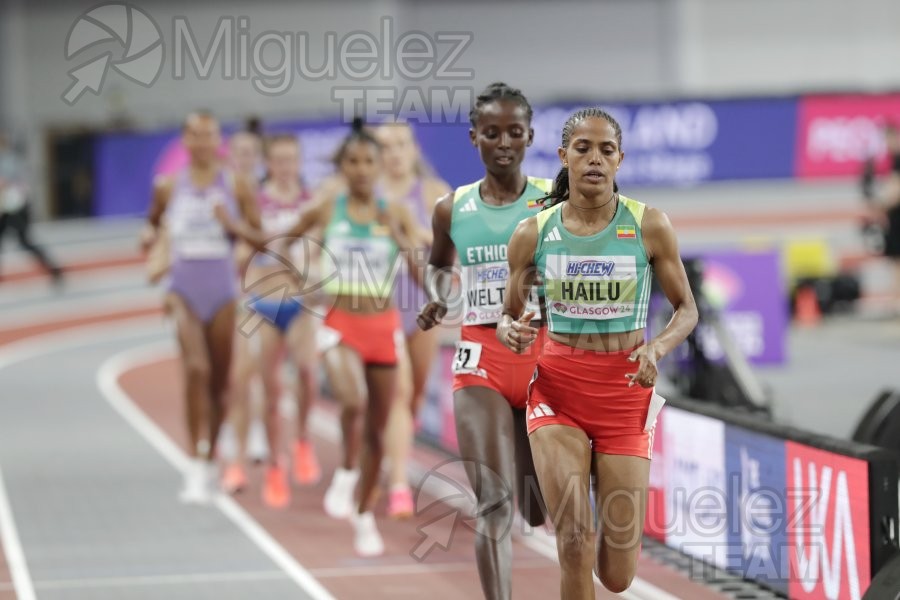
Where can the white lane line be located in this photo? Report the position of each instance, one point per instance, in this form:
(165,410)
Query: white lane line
(23,350)
(108,382)
(151,580)
(12,548)
(35,313)
(80,336)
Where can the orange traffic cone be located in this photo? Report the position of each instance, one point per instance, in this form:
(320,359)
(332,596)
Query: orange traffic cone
(807,311)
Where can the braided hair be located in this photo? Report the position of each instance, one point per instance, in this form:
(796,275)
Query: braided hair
(499,91)
(560,191)
(358,133)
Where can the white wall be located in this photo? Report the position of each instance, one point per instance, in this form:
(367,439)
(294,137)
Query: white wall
(786,46)
(575,49)
(47,25)
(562,49)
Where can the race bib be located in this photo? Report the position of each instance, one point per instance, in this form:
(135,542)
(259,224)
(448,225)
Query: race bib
(280,221)
(591,287)
(275,223)
(195,231)
(364,265)
(467,357)
(484,288)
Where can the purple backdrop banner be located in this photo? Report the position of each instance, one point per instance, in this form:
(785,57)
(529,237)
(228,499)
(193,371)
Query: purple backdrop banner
(749,288)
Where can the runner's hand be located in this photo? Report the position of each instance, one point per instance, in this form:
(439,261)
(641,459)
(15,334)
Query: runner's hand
(517,335)
(148,238)
(647,369)
(431,315)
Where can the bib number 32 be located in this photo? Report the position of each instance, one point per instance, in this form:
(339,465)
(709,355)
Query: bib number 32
(467,356)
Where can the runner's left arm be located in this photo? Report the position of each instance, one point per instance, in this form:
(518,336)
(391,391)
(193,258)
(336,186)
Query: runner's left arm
(661,244)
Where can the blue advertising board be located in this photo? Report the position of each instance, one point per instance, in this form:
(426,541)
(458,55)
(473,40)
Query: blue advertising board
(758,506)
(677,143)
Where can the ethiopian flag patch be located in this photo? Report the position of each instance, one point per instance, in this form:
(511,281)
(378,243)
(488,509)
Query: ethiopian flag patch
(625,232)
(535,202)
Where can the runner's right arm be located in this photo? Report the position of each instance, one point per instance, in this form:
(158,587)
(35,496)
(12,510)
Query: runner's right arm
(438,272)
(162,190)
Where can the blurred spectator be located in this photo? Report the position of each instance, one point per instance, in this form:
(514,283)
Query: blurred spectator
(14,205)
(872,226)
(891,200)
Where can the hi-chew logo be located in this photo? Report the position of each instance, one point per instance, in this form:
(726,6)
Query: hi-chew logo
(590,268)
(492,273)
(142,58)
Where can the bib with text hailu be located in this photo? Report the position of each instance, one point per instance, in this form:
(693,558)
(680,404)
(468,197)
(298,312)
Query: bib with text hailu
(591,287)
(597,283)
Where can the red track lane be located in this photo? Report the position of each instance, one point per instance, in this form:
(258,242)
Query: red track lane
(95,264)
(323,546)
(20,333)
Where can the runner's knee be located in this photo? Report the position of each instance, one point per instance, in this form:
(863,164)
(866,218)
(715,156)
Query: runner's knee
(575,543)
(197,370)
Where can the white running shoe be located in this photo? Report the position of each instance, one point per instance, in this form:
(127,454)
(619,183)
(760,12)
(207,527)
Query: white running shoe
(213,477)
(196,485)
(367,541)
(226,449)
(339,496)
(257,446)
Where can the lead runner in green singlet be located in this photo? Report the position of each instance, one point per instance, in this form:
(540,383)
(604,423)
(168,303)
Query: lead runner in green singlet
(591,405)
